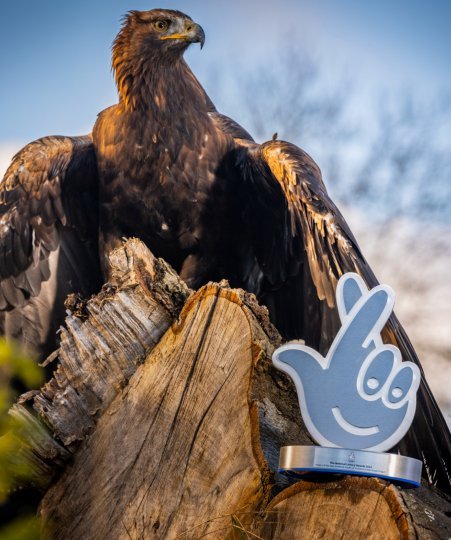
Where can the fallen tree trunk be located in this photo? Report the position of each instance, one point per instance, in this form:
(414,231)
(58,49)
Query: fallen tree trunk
(167,423)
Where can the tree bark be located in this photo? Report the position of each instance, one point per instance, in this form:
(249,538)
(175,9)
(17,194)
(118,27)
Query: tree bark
(167,423)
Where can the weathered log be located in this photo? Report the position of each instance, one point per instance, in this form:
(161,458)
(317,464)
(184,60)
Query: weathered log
(94,363)
(180,446)
(180,438)
(103,342)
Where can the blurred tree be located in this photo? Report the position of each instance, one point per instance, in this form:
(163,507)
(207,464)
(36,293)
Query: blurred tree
(17,369)
(394,159)
(405,169)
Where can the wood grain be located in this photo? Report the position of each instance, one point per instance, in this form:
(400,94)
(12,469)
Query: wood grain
(177,454)
(353,508)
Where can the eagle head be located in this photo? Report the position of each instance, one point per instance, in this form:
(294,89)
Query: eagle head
(161,33)
(150,41)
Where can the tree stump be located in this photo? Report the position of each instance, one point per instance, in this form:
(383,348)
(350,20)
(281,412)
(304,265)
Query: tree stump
(362,508)
(167,423)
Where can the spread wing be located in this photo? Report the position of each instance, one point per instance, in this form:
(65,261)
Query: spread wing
(303,245)
(51,183)
(48,237)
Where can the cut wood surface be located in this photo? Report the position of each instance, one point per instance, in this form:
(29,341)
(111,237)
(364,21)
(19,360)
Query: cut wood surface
(166,416)
(180,447)
(354,508)
(357,508)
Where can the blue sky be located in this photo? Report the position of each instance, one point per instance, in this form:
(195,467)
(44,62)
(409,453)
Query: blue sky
(55,56)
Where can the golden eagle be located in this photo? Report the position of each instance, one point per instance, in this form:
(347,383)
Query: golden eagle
(163,165)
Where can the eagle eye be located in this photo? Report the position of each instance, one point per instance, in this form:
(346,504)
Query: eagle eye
(161,25)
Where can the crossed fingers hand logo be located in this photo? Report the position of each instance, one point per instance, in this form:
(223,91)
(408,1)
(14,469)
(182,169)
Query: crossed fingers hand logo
(361,395)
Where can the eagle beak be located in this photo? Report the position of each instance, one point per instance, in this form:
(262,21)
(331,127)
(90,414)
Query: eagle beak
(194,33)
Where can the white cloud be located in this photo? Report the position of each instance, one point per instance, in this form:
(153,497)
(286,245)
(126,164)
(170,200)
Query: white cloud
(7,151)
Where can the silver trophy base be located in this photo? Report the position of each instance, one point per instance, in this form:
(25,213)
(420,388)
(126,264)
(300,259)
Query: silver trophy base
(301,460)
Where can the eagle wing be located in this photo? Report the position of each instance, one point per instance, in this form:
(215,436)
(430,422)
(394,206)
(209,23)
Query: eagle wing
(301,241)
(48,203)
(51,182)
(303,245)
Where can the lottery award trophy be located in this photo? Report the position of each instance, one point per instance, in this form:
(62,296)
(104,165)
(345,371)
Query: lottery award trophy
(359,400)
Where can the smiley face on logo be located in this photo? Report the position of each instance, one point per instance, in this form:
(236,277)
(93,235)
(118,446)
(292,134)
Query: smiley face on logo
(361,395)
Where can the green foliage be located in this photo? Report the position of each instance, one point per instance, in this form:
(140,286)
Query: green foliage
(15,363)
(22,529)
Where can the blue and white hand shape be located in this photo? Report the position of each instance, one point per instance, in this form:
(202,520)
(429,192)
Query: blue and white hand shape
(361,395)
